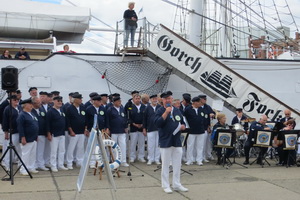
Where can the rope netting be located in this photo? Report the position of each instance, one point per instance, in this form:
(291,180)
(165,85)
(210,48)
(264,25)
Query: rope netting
(145,76)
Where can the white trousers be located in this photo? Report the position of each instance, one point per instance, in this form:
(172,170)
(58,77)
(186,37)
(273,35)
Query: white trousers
(28,156)
(57,151)
(66,144)
(16,142)
(47,152)
(40,160)
(171,154)
(76,144)
(120,139)
(152,146)
(207,146)
(195,142)
(137,138)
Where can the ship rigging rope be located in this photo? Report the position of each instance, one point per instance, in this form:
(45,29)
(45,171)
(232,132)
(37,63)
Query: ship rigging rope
(295,43)
(145,76)
(220,23)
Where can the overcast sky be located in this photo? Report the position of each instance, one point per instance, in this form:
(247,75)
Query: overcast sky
(156,11)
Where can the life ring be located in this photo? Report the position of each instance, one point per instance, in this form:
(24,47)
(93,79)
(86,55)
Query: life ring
(118,154)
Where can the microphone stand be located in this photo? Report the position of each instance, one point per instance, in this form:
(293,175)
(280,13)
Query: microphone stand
(129,139)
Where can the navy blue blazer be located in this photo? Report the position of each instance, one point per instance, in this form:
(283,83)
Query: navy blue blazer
(167,126)
(6,119)
(195,120)
(43,109)
(2,107)
(136,117)
(149,116)
(87,104)
(116,122)
(101,117)
(41,116)
(206,110)
(255,126)
(75,120)
(28,126)
(56,122)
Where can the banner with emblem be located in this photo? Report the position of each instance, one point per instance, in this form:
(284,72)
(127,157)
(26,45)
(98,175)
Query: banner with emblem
(214,78)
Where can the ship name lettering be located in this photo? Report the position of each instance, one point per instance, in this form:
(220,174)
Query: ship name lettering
(164,43)
(254,103)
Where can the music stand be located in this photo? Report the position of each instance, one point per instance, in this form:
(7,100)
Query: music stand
(263,139)
(290,138)
(224,139)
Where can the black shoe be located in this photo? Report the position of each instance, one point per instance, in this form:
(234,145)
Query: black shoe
(219,161)
(259,162)
(246,162)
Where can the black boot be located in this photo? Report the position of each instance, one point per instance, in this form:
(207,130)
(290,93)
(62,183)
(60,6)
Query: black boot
(246,162)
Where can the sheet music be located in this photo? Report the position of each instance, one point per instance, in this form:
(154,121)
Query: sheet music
(177,129)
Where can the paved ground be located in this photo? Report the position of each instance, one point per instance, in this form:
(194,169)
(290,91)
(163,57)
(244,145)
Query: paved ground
(208,182)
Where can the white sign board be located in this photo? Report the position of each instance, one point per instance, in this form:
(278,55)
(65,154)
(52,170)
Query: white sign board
(86,160)
(216,77)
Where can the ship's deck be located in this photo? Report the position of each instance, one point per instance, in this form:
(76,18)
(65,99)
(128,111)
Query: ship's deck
(208,182)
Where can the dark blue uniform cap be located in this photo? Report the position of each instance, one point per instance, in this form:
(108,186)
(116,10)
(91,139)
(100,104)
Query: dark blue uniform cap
(26,101)
(166,94)
(96,98)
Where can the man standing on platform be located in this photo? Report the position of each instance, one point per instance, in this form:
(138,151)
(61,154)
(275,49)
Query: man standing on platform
(170,123)
(130,20)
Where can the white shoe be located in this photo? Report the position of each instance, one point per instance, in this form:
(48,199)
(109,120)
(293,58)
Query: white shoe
(206,161)
(157,162)
(211,158)
(168,190)
(24,174)
(189,163)
(63,168)
(34,171)
(70,167)
(142,160)
(54,169)
(181,189)
(124,164)
(131,160)
(200,163)
(48,165)
(149,162)
(43,168)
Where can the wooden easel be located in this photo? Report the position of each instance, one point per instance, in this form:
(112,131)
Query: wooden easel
(105,136)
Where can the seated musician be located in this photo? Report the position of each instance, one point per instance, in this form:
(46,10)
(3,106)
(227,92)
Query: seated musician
(240,118)
(287,117)
(283,154)
(256,126)
(221,124)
